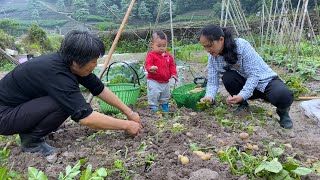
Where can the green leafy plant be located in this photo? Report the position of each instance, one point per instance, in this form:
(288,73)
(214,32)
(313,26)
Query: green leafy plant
(203,105)
(71,172)
(149,160)
(35,174)
(294,83)
(98,174)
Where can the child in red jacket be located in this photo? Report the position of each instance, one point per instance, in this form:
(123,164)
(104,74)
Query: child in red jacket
(161,68)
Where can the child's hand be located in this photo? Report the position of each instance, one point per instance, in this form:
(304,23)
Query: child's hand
(174,77)
(153,69)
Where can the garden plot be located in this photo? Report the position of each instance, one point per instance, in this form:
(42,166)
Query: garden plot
(268,151)
(154,153)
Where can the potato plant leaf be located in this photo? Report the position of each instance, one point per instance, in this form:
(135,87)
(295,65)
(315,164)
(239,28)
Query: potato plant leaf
(302,171)
(272,166)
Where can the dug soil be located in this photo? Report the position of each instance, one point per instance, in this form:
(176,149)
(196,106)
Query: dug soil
(102,148)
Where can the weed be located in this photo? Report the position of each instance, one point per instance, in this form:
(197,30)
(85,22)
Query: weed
(294,83)
(195,147)
(6,66)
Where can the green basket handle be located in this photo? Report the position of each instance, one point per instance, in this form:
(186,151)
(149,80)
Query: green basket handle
(200,80)
(134,72)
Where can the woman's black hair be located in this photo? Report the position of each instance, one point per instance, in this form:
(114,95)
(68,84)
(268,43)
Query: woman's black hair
(81,47)
(214,32)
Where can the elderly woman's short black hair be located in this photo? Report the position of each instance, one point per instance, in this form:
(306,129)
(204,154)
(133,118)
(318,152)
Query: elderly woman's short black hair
(81,47)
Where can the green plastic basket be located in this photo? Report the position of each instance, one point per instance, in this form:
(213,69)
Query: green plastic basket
(128,93)
(185,99)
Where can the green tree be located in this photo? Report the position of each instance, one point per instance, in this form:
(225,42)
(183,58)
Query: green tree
(37,37)
(114,10)
(81,10)
(35,15)
(78,4)
(9,26)
(101,10)
(108,3)
(60,5)
(143,12)
(165,10)
(34,6)
(6,41)
(82,14)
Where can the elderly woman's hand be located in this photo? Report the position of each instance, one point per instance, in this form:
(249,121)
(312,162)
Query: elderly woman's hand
(134,116)
(133,128)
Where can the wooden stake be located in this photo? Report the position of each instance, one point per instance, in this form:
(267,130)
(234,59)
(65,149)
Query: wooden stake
(114,44)
(307,98)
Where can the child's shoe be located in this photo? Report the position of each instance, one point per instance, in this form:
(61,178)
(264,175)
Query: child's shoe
(153,108)
(165,107)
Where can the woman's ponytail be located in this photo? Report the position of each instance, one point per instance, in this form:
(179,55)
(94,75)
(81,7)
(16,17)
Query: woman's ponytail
(230,47)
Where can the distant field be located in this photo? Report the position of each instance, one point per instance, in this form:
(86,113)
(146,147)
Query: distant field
(50,19)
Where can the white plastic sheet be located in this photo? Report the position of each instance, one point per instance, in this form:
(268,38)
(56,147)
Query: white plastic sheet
(312,109)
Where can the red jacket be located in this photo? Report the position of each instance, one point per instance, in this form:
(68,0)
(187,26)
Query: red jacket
(165,64)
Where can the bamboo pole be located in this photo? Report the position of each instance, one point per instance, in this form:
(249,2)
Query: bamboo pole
(280,20)
(273,29)
(293,32)
(305,9)
(269,23)
(241,12)
(227,10)
(171,28)
(222,13)
(114,44)
(231,19)
(10,58)
(237,16)
(317,14)
(262,23)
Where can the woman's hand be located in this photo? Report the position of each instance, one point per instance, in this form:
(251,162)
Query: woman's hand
(134,116)
(236,99)
(133,128)
(207,99)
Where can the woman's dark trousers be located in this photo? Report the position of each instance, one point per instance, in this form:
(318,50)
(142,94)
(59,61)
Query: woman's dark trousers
(32,120)
(276,92)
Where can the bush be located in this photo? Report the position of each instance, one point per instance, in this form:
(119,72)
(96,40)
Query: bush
(6,41)
(105,26)
(36,41)
(93,18)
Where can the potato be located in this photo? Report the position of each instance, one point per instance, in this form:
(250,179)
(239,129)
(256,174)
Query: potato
(289,146)
(220,152)
(183,159)
(244,135)
(199,153)
(255,147)
(206,157)
(189,134)
(249,146)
